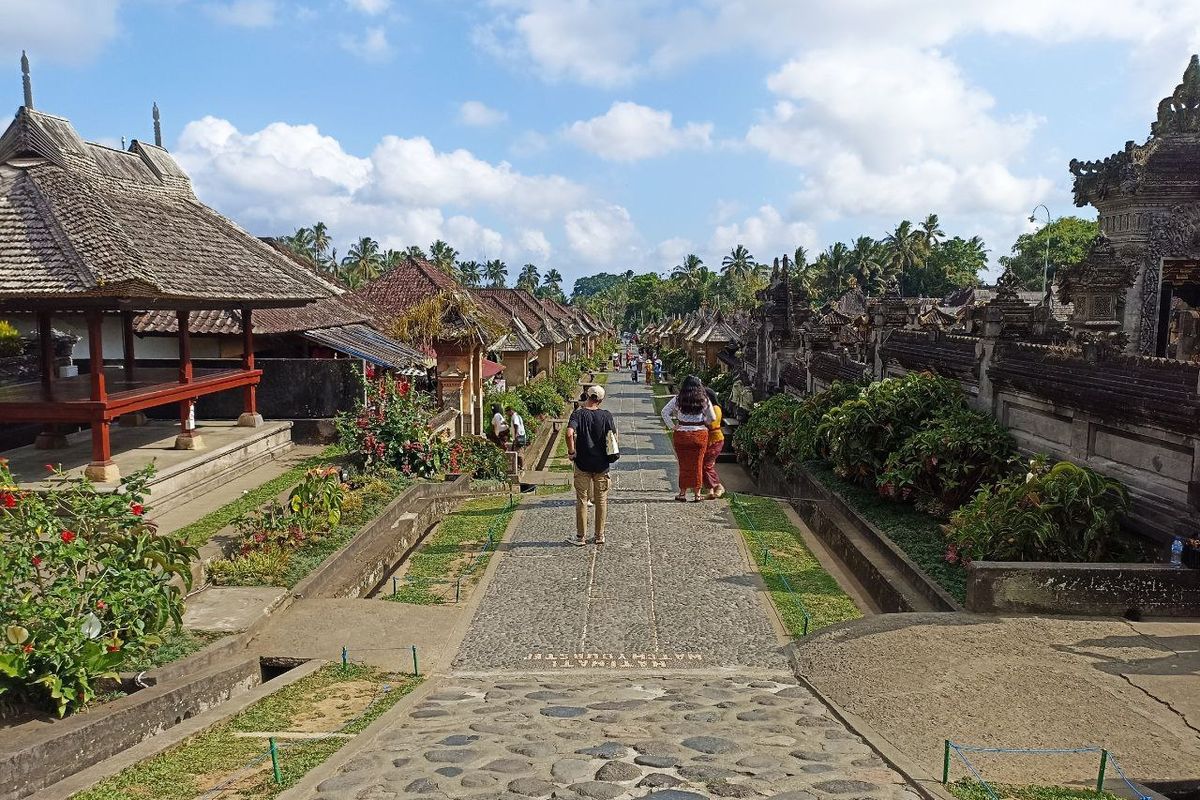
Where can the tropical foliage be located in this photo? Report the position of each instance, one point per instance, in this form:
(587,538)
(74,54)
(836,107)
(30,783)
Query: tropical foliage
(390,429)
(1069,239)
(476,456)
(86,585)
(10,340)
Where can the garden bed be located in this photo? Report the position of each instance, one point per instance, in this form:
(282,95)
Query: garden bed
(331,706)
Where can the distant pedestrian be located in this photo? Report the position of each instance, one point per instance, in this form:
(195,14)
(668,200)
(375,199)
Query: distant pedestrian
(587,446)
(688,416)
(634,368)
(498,431)
(658,369)
(716,441)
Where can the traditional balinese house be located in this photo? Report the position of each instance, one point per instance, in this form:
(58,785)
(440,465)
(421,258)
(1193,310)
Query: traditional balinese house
(103,234)
(555,340)
(716,336)
(517,349)
(419,304)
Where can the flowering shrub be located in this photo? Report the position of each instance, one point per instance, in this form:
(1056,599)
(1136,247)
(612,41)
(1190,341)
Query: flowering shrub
(272,526)
(565,380)
(478,457)
(857,436)
(390,430)
(940,466)
(86,583)
(317,499)
(1063,512)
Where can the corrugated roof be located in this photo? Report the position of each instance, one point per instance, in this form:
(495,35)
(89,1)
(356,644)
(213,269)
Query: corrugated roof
(363,341)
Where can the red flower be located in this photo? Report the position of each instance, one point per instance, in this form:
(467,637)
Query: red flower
(9,500)
(101,605)
(27,648)
(112,648)
(37,561)
(67,536)
(49,468)
(137,509)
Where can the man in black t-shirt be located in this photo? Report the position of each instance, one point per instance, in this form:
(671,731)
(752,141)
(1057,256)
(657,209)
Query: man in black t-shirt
(587,437)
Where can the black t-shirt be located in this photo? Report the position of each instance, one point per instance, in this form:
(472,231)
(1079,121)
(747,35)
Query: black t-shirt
(591,433)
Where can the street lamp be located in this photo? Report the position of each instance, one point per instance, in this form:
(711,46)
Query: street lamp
(1046,264)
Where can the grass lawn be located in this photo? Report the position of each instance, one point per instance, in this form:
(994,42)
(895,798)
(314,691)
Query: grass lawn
(553,488)
(971,789)
(558,461)
(435,567)
(764,522)
(328,701)
(601,378)
(918,535)
(200,531)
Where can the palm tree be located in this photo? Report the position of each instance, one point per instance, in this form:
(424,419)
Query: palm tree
(688,272)
(739,262)
(470,272)
(834,270)
(869,263)
(530,278)
(414,251)
(495,272)
(931,231)
(320,240)
(906,250)
(391,259)
(301,242)
(443,256)
(800,259)
(363,260)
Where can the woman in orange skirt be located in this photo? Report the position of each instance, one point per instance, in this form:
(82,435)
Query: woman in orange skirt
(688,415)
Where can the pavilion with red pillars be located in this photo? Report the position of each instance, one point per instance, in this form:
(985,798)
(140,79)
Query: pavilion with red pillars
(103,234)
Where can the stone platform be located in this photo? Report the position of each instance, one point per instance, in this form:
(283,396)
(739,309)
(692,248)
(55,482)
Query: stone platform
(181,474)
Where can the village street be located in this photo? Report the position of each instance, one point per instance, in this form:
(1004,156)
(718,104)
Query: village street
(653,665)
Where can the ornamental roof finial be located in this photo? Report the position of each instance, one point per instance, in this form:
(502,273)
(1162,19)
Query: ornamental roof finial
(157,126)
(1180,113)
(25,83)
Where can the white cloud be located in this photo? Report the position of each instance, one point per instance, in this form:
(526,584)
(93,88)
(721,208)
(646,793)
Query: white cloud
(244,13)
(480,115)
(630,132)
(371,46)
(672,251)
(369,7)
(765,234)
(534,241)
(603,235)
(529,143)
(405,192)
(61,31)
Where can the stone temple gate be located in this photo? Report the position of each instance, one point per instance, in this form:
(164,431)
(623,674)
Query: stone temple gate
(1140,283)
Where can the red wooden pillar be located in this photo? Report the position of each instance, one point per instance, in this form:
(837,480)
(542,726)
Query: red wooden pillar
(250,416)
(101,469)
(187,438)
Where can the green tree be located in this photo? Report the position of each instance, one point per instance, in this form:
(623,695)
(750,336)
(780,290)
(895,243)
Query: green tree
(592,285)
(415,251)
(739,262)
(529,278)
(688,273)
(495,272)
(906,252)
(320,241)
(363,261)
(868,261)
(470,273)
(834,270)
(953,264)
(1070,238)
(444,257)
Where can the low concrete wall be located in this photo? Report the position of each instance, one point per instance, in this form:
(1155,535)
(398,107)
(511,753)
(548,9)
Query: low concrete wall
(384,542)
(838,525)
(37,755)
(1103,590)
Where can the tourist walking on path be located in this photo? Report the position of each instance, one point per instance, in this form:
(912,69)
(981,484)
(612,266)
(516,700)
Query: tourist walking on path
(688,415)
(716,441)
(634,365)
(587,446)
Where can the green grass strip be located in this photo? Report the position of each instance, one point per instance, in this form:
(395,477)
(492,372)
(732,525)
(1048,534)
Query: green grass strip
(176,644)
(436,566)
(199,532)
(919,535)
(971,789)
(191,768)
(764,523)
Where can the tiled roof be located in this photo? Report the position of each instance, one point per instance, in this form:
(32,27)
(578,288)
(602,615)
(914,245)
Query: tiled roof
(404,286)
(82,221)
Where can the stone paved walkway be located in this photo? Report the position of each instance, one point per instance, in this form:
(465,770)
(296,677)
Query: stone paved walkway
(652,668)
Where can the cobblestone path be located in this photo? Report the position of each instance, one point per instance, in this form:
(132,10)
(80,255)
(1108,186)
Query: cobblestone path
(649,669)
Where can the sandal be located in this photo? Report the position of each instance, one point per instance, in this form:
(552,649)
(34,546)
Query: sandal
(599,542)
(681,498)
(720,492)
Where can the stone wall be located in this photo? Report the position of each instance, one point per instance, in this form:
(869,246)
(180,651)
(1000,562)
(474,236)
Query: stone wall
(1035,587)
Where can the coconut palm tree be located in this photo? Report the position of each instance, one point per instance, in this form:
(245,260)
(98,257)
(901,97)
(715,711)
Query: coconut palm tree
(470,272)
(869,263)
(906,250)
(931,231)
(688,272)
(739,262)
(390,259)
(834,270)
(320,240)
(553,279)
(495,272)
(444,257)
(530,278)
(414,251)
(363,260)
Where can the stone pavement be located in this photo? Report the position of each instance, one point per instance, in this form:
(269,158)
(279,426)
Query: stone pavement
(652,667)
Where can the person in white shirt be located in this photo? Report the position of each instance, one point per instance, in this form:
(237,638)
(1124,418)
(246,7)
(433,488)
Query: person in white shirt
(517,426)
(688,416)
(499,426)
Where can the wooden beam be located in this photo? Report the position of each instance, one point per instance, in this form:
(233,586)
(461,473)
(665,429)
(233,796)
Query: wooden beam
(127,342)
(96,356)
(185,347)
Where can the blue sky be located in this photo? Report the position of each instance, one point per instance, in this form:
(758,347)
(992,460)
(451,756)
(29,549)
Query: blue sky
(612,134)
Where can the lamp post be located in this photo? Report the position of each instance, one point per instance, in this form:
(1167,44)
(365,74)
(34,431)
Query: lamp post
(1046,263)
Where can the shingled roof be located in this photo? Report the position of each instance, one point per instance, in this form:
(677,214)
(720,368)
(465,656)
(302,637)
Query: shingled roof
(83,225)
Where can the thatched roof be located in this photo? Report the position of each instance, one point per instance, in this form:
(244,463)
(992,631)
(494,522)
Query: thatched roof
(83,225)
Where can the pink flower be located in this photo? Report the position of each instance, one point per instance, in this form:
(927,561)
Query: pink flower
(27,649)
(101,605)
(37,561)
